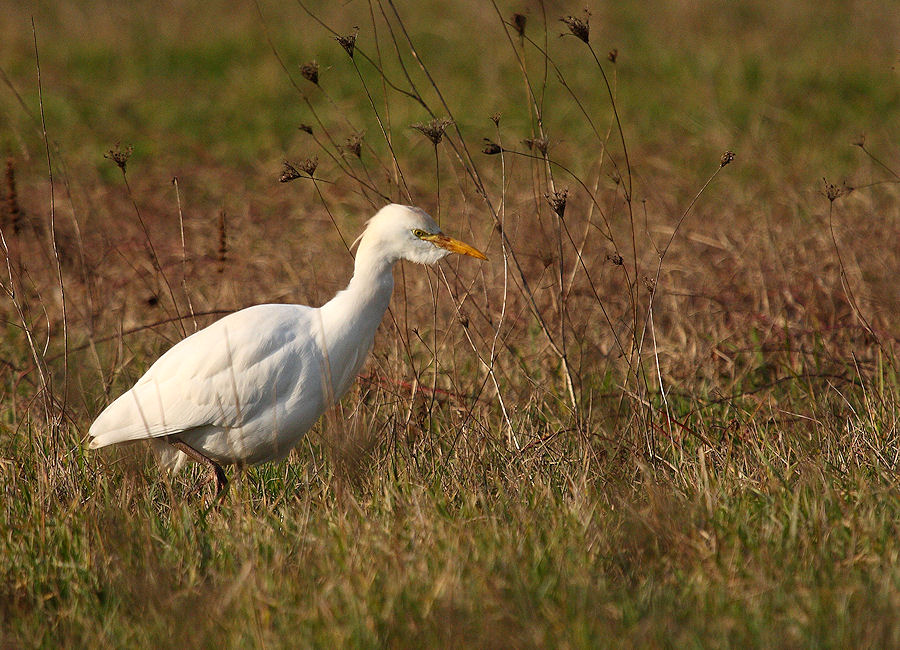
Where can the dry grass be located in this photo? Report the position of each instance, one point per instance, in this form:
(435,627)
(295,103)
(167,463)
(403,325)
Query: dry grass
(666,413)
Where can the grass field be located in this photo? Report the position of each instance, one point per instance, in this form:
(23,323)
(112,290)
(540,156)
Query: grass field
(665,413)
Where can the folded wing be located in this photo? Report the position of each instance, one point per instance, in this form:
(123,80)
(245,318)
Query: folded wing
(221,376)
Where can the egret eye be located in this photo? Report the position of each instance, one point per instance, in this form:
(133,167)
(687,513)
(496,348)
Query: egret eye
(418,232)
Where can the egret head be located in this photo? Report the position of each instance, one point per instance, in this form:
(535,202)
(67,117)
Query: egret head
(405,232)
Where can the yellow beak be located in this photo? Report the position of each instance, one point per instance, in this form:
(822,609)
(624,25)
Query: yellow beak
(455,246)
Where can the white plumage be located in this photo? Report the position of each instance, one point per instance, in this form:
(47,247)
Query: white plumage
(246,389)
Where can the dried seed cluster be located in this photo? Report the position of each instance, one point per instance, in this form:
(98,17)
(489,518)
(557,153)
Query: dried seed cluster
(433,130)
(310,72)
(223,242)
(833,192)
(557,201)
(353,145)
(309,166)
(288,172)
(491,148)
(538,144)
(348,42)
(119,156)
(13,211)
(579,28)
(519,21)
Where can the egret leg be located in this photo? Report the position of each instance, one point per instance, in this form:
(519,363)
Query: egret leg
(193,454)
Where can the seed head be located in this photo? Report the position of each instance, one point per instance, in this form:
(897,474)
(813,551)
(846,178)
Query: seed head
(433,130)
(309,166)
(491,148)
(223,241)
(119,156)
(557,201)
(354,145)
(613,55)
(348,42)
(519,21)
(306,128)
(832,192)
(726,158)
(495,118)
(616,259)
(288,172)
(539,144)
(310,72)
(13,211)
(860,141)
(649,283)
(579,28)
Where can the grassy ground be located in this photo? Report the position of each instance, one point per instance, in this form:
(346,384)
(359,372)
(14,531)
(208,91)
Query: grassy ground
(649,420)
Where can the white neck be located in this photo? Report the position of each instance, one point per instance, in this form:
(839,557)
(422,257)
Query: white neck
(358,310)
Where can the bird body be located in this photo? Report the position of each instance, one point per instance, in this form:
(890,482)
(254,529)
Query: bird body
(246,389)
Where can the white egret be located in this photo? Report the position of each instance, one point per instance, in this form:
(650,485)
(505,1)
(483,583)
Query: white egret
(246,389)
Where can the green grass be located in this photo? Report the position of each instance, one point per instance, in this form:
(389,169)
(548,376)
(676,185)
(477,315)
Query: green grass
(754,503)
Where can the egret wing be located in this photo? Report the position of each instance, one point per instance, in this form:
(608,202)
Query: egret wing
(222,376)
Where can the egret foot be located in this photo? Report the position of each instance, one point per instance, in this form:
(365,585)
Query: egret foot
(218,472)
